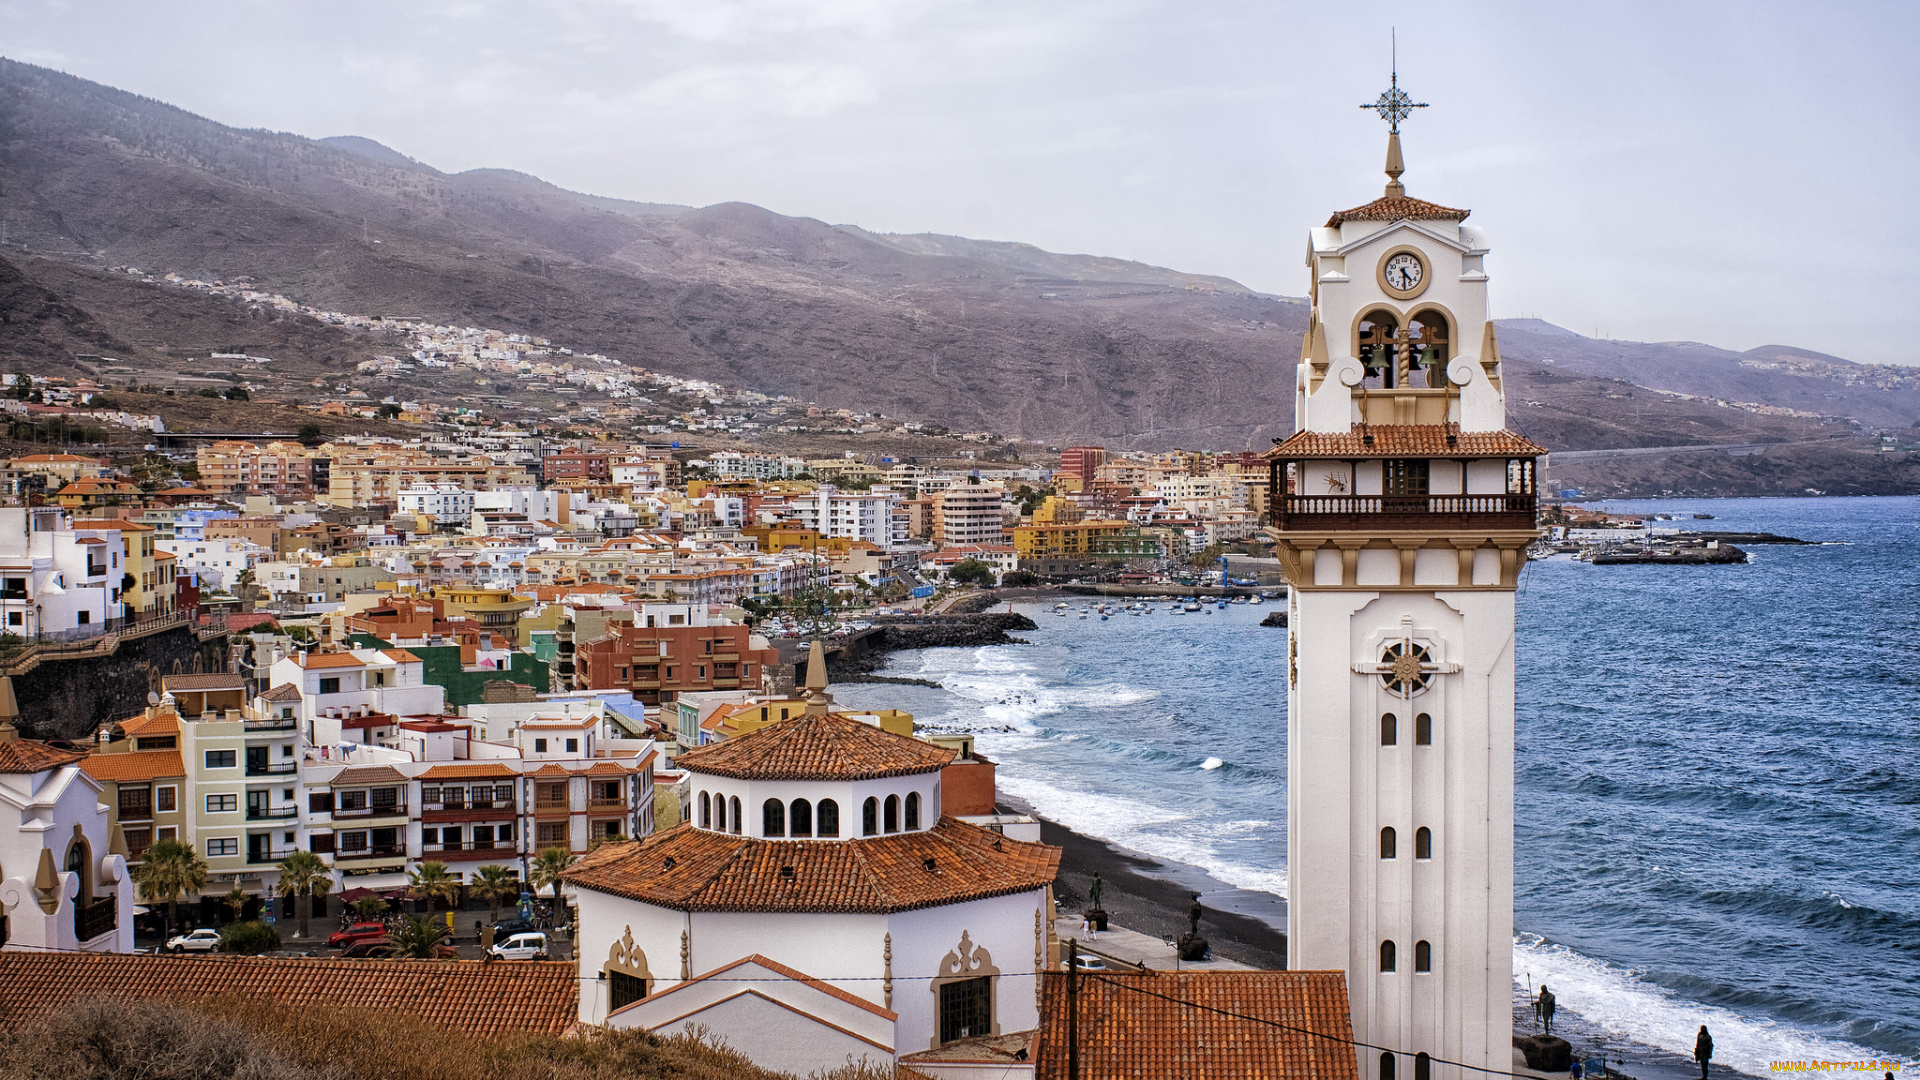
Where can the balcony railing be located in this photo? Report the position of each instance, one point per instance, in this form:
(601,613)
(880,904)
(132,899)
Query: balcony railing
(276,723)
(1313,513)
(370,853)
(267,856)
(273,768)
(607,804)
(94,918)
(393,810)
(272,813)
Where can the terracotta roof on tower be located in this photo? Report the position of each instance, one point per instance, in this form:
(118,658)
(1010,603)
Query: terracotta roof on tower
(32,756)
(1405,440)
(1170,1024)
(480,999)
(827,746)
(691,869)
(1398,208)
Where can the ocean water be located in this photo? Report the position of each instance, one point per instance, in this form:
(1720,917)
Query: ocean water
(1718,775)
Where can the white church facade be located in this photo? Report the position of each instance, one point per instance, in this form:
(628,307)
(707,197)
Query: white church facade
(1402,508)
(816,907)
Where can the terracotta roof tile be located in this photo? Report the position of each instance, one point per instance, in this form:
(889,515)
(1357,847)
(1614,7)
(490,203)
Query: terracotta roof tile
(32,756)
(360,775)
(166,723)
(286,691)
(713,871)
(134,766)
(1398,208)
(480,999)
(471,770)
(826,746)
(1147,1026)
(1405,440)
(219,681)
(551,769)
(331,660)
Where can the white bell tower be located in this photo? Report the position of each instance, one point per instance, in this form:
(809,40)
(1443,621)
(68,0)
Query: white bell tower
(1402,508)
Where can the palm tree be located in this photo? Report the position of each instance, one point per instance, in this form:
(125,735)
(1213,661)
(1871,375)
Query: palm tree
(236,901)
(495,884)
(546,870)
(369,908)
(305,875)
(416,938)
(167,870)
(433,884)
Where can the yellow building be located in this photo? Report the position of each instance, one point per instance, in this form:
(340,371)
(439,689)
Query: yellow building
(1077,538)
(494,610)
(1054,510)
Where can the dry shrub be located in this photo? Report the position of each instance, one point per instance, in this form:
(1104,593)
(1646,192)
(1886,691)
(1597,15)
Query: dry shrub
(144,1040)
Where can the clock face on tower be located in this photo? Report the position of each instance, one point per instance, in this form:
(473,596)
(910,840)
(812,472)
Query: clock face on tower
(1403,273)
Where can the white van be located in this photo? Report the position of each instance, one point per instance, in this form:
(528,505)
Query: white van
(530,946)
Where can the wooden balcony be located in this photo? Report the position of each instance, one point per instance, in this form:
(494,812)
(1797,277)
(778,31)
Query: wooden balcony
(1394,513)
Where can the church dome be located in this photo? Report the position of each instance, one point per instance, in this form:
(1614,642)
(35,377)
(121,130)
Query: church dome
(826,746)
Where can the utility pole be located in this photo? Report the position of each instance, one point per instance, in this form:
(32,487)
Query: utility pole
(1073,1009)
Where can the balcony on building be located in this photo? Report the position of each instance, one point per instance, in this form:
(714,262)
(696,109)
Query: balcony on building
(92,918)
(1403,478)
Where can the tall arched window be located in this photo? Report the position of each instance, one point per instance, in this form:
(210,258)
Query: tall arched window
(1423,843)
(706,811)
(892,815)
(1389,843)
(1386,1065)
(1389,729)
(1423,730)
(828,815)
(1387,957)
(773,818)
(870,817)
(913,810)
(734,803)
(80,861)
(1422,1067)
(1423,956)
(1429,345)
(800,818)
(1379,350)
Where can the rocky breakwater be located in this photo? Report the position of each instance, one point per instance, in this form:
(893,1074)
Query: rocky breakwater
(859,661)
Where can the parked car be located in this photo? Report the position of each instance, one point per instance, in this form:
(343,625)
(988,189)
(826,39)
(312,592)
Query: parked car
(506,928)
(1088,962)
(521,947)
(362,931)
(364,948)
(202,940)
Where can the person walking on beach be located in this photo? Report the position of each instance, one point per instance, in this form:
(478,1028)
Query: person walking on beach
(1703,1050)
(1544,1005)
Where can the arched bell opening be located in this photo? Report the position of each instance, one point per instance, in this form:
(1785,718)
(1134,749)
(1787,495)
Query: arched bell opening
(1429,346)
(1377,347)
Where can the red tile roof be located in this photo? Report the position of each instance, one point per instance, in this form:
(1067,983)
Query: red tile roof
(135,766)
(31,756)
(286,691)
(1169,1025)
(826,746)
(218,681)
(1398,208)
(330,660)
(166,723)
(474,770)
(480,999)
(1405,440)
(691,869)
(360,775)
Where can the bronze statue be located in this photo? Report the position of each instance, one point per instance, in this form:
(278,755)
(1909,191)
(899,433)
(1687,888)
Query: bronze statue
(1193,916)
(1094,891)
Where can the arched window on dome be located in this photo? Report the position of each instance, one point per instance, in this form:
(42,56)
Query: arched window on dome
(773,818)
(1423,843)
(800,818)
(706,811)
(913,810)
(870,817)
(735,804)
(892,814)
(1423,956)
(827,815)
(1387,957)
(1389,843)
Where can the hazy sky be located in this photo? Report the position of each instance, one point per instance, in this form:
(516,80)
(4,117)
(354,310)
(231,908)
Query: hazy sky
(1735,173)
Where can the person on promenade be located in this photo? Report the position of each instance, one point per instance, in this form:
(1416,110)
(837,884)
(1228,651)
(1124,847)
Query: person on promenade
(1703,1050)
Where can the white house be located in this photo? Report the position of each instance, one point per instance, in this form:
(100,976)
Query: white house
(218,563)
(337,688)
(816,907)
(63,867)
(53,581)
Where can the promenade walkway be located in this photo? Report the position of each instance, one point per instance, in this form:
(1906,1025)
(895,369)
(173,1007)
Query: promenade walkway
(1134,948)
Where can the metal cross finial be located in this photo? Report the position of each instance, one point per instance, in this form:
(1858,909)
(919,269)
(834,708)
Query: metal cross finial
(1395,105)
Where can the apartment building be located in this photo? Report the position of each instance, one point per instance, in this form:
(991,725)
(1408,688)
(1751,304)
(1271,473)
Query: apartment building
(335,687)
(217,563)
(670,650)
(1105,539)
(865,516)
(231,466)
(54,582)
(968,514)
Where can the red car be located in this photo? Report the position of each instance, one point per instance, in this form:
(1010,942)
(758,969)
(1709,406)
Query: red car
(358,932)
